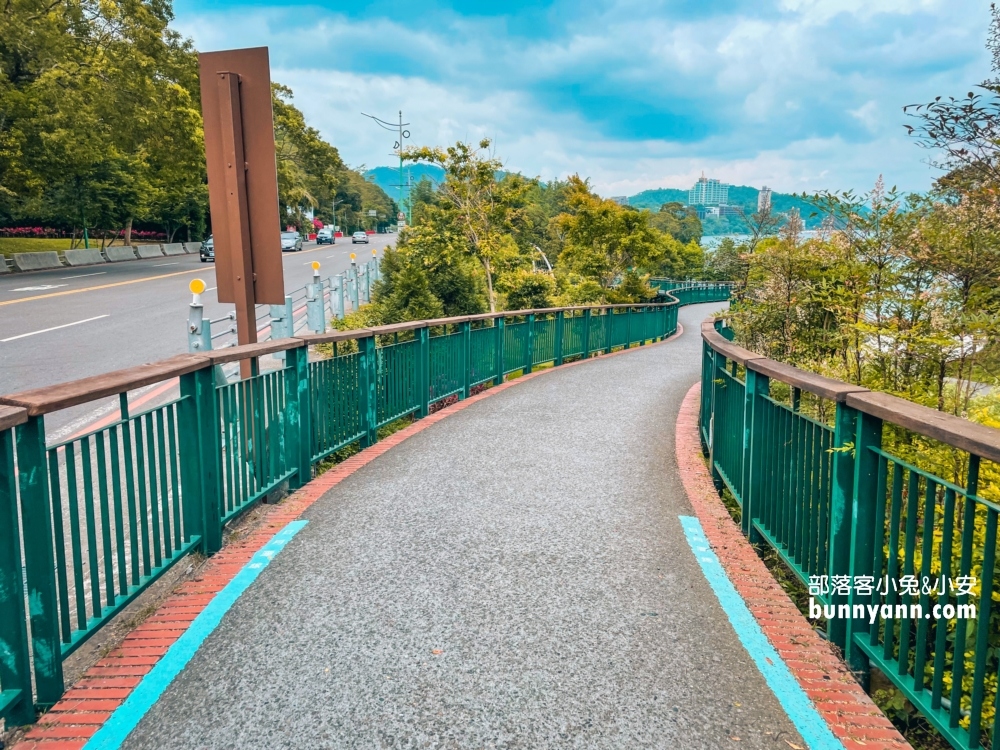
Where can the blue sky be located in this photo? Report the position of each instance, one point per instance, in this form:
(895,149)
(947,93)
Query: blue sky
(800,95)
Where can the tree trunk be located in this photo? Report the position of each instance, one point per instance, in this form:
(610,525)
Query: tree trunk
(128,232)
(489,285)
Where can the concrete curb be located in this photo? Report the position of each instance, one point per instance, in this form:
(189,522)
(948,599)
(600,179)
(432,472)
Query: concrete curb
(83,257)
(119,253)
(37,261)
(148,251)
(845,707)
(192,247)
(173,248)
(86,706)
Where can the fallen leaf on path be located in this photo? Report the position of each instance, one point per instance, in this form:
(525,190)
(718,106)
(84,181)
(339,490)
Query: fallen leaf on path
(793,745)
(437,651)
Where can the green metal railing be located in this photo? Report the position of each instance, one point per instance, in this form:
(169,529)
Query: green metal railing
(823,485)
(89,523)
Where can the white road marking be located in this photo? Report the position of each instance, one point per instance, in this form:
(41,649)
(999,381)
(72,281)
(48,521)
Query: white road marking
(158,265)
(82,275)
(54,328)
(211,288)
(41,288)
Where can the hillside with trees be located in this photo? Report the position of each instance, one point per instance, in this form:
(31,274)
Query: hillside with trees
(741,196)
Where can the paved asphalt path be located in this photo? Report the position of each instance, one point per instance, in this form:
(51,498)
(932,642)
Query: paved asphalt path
(534,540)
(145,302)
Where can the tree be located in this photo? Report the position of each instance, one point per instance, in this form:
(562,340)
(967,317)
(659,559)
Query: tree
(679,221)
(482,203)
(603,240)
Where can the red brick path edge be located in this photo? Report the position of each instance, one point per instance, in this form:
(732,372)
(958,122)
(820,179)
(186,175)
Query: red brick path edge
(85,707)
(846,708)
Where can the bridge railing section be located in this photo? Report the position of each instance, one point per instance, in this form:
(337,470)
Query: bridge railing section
(845,484)
(89,523)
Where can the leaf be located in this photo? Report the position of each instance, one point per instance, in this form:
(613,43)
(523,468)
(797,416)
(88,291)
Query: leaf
(793,745)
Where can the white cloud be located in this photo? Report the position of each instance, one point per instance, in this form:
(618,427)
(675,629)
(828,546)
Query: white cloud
(796,96)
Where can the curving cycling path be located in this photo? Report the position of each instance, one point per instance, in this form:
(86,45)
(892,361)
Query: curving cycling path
(513,577)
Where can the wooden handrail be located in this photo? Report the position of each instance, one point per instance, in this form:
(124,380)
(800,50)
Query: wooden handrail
(40,401)
(972,437)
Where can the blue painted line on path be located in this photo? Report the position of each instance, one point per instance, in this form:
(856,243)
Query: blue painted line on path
(128,715)
(783,684)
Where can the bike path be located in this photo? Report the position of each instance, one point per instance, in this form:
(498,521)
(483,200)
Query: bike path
(515,576)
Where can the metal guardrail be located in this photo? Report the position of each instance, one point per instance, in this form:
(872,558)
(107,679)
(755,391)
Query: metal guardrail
(90,522)
(826,493)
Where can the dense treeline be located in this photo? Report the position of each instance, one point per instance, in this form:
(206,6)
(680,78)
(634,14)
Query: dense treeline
(100,126)
(489,239)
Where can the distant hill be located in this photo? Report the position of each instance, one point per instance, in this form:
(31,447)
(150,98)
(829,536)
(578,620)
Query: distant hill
(387,178)
(739,195)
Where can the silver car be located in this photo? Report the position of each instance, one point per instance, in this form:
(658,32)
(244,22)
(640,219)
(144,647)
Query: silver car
(291,242)
(359,237)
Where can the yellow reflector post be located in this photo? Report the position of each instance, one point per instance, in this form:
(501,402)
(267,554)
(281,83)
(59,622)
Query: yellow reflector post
(315,265)
(197,286)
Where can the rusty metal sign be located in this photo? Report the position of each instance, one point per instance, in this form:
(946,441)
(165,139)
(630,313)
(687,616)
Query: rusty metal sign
(242,181)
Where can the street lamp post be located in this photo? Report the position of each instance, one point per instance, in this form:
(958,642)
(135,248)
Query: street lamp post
(335,217)
(401,134)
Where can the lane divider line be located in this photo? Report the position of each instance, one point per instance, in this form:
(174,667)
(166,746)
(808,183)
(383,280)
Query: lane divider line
(128,715)
(53,328)
(50,295)
(785,687)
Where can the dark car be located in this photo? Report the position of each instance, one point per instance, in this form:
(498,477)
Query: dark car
(208,250)
(291,242)
(325,236)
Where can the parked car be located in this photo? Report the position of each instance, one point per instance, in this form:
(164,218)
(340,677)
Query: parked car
(359,237)
(208,250)
(291,242)
(325,236)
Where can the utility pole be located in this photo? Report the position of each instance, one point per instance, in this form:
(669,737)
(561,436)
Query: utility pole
(401,135)
(335,225)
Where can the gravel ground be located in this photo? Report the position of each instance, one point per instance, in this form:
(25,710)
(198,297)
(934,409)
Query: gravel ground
(514,577)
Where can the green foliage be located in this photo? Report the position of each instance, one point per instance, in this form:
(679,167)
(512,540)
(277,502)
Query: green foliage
(527,290)
(679,221)
(100,124)
(603,240)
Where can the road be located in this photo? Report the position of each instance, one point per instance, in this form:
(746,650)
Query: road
(540,594)
(68,323)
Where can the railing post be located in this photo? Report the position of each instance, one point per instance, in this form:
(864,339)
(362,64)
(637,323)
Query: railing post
(530,357)
(754,447)
(201,457)
(560,326)
(338,298)
(628,327)
(39,559)
(609,328)
(316,305)
(586,333)
(841,503)
(466,329)
(298,432)
(368,387)
(15,664)
(424,367)
(498,323)
(868,435)
(707,369)
(718,381)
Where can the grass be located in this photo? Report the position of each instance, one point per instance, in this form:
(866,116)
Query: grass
(12,245)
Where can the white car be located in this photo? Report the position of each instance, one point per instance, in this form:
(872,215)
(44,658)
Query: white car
(359,237)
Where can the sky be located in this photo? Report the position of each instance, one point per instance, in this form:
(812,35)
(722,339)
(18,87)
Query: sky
(800,95)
